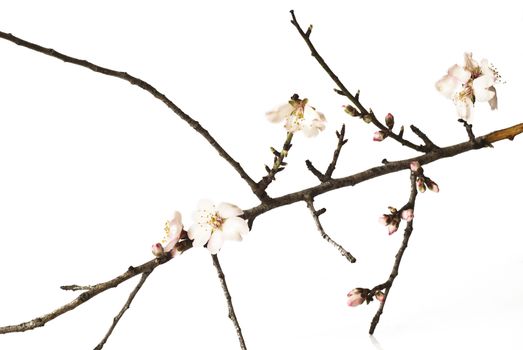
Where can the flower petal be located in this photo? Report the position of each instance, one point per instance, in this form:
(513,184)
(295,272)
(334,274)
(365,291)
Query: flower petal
(280,113)
(459,73)
(215,242)
(200,234)
(447,86)
(227,210)
(481,87)
(235,228)
(463,107)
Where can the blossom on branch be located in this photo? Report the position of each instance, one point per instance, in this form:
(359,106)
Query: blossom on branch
(355,297)
(298,116)
(469,84)
(173,231)
(392,220)
(216,223)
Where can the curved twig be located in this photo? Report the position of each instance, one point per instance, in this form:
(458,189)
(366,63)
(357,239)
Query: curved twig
(153,91)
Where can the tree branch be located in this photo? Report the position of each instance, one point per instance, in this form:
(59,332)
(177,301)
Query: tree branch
(316,215)
(395,269)
(232,314)
(124,308)
(147,267)
(389,167)
(278,164)
(330,169)
(153,91)
(363,112)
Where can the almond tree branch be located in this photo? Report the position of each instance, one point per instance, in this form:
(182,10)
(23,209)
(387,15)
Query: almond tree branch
(316,215)
(232,314)
(389,167)
(153,91)
(124,308)
(353,98)
(399,255)
(330,169)
(147,267)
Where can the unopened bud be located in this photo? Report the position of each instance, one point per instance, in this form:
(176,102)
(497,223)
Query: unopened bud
(379,136)
(350,110)
(407,215)
(414,165)
(157,249)
(355,297)
(380,296)
(432,186)
(389,121)
(421,185)
(367,118)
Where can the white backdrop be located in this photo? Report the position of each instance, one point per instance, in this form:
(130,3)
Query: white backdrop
(91,167)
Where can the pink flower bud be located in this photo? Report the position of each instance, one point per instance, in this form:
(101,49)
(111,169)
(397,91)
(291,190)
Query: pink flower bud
(157,249)
(393,227)
(355,297)
(432,186)
(389,121)
(407,215)
(421,185)
(414,165)
(379,296)
(379,136)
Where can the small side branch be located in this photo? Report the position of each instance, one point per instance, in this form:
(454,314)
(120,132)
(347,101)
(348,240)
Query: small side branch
(399,255)
(232,314)
(430,146)
(330,169)
(316,215)
(87,295)
(123,310)
(277,166)
(468,127)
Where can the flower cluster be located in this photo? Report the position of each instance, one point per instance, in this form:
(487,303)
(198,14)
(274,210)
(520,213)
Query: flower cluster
(469,84)
(299,116)
(423,182)
(213,224)
(392,220)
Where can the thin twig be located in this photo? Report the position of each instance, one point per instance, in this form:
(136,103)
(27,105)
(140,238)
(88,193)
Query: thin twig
(330,169)
(389,167)
(153,91)
(232,314)
(316,215)
(468,127)
(428,142)
(395,268)
(87,295)
(123,310)
(278,164)
(354,99)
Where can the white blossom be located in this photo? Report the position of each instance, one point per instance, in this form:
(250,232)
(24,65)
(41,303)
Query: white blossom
(213,224)
(469,84)
(298,116)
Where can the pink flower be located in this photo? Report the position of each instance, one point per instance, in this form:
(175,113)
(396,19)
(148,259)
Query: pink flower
(414,165)
(298,115)
(379,136)
(380,296)
(407,215)
(355,297)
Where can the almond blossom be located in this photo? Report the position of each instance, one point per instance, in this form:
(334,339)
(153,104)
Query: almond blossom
(469,84)
(173,230)
(298,116)
(216,223)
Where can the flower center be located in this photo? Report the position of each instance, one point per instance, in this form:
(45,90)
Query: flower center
(216,221)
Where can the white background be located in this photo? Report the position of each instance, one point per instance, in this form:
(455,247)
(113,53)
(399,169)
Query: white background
(91,167)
